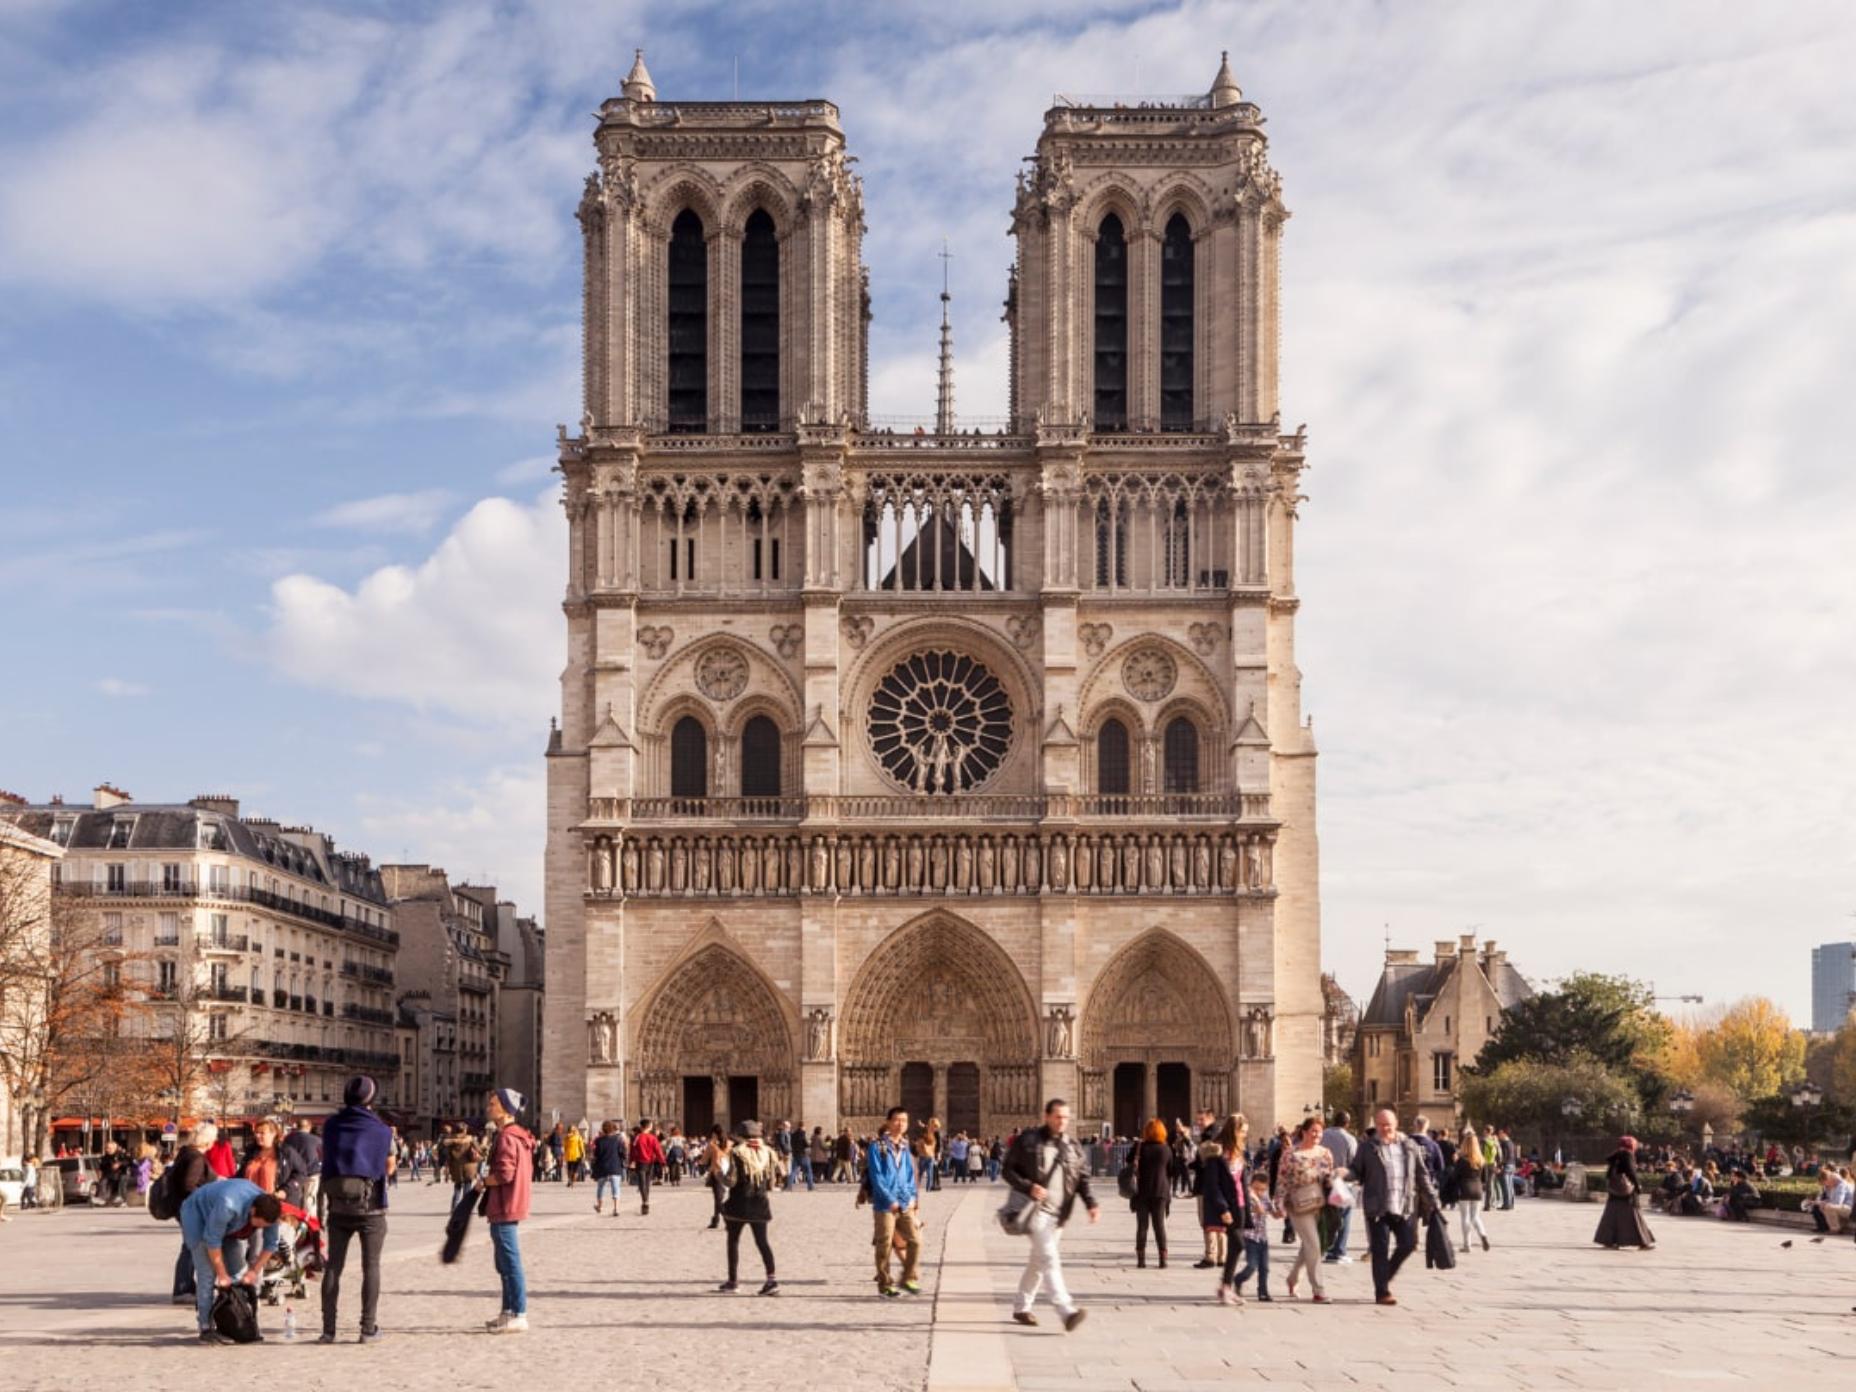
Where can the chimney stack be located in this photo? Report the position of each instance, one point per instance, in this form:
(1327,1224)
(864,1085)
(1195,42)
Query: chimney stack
(1446,950)
(107,795)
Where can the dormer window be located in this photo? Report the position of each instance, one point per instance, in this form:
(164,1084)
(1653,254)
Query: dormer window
(120,831)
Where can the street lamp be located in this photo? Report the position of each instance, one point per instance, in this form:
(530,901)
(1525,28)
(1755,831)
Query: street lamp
(1807,1097)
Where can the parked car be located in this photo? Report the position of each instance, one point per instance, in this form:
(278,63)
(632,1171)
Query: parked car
(12,1181)
(79,1177)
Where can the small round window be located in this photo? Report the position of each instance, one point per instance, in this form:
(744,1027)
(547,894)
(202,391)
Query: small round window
(940,723)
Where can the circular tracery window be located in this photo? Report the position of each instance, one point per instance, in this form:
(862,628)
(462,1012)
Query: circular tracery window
(940,723)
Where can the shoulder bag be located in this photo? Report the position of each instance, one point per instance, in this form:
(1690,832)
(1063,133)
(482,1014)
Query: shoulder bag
(1016,1213)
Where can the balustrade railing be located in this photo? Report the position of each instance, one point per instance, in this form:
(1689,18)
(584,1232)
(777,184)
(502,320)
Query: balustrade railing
(988,807)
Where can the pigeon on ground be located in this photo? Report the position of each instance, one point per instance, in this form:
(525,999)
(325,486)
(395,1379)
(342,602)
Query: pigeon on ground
(1786,1243)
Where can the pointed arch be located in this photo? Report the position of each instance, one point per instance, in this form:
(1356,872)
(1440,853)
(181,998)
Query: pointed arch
(714,1013)
(1112,273)
(760,322)
(934,983)
(1157,994)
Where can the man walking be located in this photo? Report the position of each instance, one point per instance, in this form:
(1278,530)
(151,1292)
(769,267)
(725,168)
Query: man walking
(1047,1167)
(893,1202)
(608,1165)
(1343,1147)
(1433,1153)
(1507,1157)
(1396,1191)
(647,1154)
(357,1156)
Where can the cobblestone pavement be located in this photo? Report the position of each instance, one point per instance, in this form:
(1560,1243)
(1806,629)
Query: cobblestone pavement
(82,1303)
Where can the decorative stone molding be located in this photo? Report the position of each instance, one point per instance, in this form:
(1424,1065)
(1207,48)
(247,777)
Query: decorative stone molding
(722,673)
(1022,629)
(1205,636)
(1095,637)
(787,639)
(655,641)
(857,629)
(1149,674)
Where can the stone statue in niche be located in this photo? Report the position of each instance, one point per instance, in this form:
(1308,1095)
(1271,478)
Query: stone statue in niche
(603,1037)
(1227,865)
(1257,1042)
(986,865)
(1201,864)
(1253,863)
(818,1034)
(1059,1032)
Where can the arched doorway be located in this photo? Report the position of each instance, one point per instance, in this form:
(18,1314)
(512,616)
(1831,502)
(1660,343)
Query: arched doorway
(940,1012)
(714,1046)
(1155,1037)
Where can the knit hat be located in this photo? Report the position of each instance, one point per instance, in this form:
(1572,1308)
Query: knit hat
(512,1101)
(359,1091)
(750,1130)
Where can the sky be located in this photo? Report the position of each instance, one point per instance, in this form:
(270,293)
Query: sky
(289,310)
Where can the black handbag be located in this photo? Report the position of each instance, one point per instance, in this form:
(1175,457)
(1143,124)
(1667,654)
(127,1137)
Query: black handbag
(1438,1253)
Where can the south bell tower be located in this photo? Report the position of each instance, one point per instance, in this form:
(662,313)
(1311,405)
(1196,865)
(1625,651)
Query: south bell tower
(955,768)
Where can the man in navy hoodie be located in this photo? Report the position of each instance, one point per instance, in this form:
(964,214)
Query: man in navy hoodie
(357,1157)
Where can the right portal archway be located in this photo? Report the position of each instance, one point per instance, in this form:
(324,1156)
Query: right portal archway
(1156,1037)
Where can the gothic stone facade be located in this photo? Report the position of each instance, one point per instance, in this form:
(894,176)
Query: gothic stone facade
(952,769)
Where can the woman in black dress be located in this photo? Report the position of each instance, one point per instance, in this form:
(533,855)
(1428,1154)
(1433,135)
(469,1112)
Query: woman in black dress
(1153,1189)
(1622,1225)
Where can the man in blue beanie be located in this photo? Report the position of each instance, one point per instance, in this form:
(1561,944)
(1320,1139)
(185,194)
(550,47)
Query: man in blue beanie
(357,1157)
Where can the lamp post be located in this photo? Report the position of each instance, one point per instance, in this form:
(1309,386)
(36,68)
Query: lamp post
(1572,1109)
(1807,1097)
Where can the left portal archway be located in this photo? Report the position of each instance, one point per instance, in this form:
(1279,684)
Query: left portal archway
(714,1039)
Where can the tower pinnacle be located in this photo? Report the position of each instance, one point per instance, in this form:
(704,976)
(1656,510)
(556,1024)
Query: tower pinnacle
(1224,86)
(638,85)
(944,380)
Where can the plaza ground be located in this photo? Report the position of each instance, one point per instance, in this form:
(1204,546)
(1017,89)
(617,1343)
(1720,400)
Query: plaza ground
(631,1301)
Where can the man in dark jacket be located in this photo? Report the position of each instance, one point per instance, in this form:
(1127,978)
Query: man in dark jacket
(1048,1168)
(357,1157)
(1396,1192)
(187,1173)
(303,1148)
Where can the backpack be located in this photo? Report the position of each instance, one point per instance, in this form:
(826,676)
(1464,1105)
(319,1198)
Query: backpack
(235,1314)
(163,1202)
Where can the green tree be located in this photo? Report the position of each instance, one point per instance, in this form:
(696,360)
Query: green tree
(1753,1049)
(1589,1017)
(1337,1089)
(1530,1094)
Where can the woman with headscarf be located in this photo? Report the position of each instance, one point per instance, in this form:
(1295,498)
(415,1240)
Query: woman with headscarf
(1622,1225)
(749,1172)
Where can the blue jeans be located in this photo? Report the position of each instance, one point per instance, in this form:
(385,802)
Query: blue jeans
(801,1167)
(1256,1263)
(606,1182)
(233,1254)
(509,1266)
(183,1271)
(1338,1247)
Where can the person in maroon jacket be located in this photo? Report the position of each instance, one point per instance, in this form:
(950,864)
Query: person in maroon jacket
(508,1178)
(646,1158)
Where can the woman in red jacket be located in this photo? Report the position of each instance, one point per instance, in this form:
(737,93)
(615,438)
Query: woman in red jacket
(512,1158)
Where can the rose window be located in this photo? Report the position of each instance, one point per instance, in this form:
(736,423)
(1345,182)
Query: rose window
(940,723)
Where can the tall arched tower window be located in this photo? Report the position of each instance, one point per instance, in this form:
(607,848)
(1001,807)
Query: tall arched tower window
(760,758)
(1176,327)
(689,324)
(1182,756)
(1112,771)
(689,759)
(1111,404)
(760,324)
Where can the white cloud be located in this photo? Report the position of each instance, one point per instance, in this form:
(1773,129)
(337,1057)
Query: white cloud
(529,470)
(390,512)
(485,829)
(117,687)
(465,631)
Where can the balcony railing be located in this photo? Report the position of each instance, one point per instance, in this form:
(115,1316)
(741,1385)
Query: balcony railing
(989,807)
(367,1014)
(227,943)
(239,894)
(167,940)
(235,995)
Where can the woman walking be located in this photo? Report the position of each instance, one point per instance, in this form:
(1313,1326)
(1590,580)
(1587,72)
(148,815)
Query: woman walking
(715,1145)
(1468,1176)
(749,1172)
(509,1175)
(1229,1194)
(1153,1190)
(1621,1224)
(1302,1182)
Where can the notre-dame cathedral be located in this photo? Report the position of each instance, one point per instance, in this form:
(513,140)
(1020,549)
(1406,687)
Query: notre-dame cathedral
(945,767)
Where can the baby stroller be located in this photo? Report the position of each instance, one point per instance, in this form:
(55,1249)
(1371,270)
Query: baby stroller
(297,1260)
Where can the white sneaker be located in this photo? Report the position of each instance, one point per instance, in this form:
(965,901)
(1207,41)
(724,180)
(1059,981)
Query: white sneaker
(516,1324)
(495,1326)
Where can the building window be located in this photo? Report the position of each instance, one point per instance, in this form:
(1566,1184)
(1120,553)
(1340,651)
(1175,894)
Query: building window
(1111,544)
(1440,1072)
(689,759)
(1176,325)
(760,324)
(217,878)
(116,877)
(689,324)
(1111,406)
(112,930)
(1182,756)
(170,878)
(760,758)
(216,1026)
(1372,1089)
(164,976)
(1112,765)
(221,926)
(119,834)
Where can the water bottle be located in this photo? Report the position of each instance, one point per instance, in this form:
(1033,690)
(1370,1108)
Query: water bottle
(289,1324)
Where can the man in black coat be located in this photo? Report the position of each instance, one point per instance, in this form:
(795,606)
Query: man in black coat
(1396,1192)
(187,1173)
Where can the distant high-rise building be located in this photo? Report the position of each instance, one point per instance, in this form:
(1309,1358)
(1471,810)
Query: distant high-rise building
(1833,984)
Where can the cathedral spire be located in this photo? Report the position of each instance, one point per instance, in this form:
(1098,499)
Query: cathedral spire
(944,379)
(638,85)
(1224,86)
